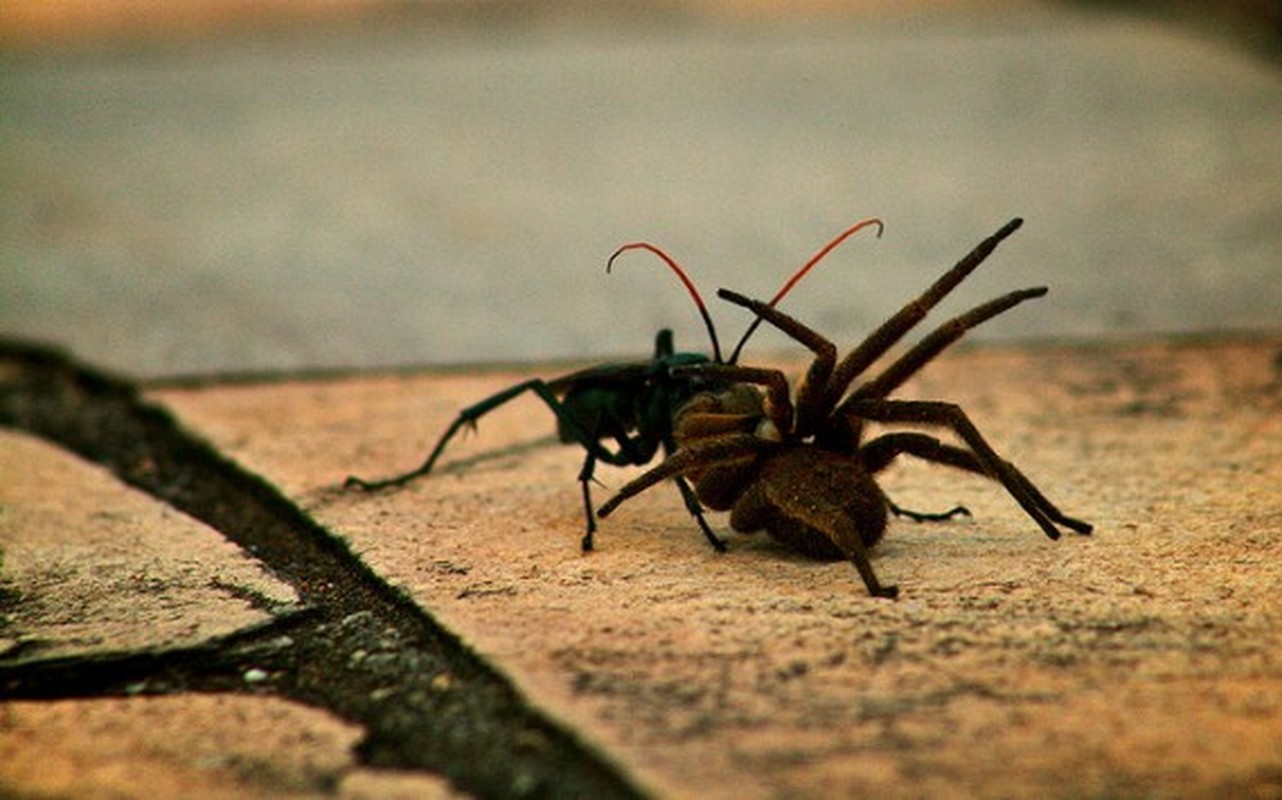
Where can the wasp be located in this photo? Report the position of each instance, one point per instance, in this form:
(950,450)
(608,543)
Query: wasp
(623,414)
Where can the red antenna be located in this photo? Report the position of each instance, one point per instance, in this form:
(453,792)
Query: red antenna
(801,273)
(694,293)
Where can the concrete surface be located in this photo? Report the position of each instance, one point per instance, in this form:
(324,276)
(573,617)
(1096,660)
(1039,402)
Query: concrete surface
(194,746)
(209,746)
(1142,660)
(99,567)
(434,191)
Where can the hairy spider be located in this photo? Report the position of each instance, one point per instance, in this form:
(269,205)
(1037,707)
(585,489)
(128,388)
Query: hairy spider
(629,406)
(799,469)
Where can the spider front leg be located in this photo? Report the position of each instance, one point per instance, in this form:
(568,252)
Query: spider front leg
(637,450)
(721,450)
(981,458)
(814,386)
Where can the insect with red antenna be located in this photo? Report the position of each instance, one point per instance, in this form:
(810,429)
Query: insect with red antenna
(630,405)
(797,466)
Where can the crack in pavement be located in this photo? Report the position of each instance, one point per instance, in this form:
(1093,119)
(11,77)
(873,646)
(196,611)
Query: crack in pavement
(358,647)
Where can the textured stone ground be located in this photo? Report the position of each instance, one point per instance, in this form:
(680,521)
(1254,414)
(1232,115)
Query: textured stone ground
(1143,659)
(1140,660)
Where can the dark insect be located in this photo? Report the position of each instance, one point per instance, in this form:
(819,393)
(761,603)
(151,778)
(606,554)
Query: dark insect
(631,405)
(799,469)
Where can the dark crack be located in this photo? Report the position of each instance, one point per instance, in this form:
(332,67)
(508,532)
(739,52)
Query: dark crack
(358,647)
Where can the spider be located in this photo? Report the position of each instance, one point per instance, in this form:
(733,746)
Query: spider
(630,405)
(799,469)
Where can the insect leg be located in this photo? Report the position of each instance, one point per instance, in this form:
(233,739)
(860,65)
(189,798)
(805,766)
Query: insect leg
(688,496)
(696,511)
(980,458)
(585,478)
(692,501)
(469,416)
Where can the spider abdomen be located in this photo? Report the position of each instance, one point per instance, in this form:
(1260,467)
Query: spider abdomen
(814,501)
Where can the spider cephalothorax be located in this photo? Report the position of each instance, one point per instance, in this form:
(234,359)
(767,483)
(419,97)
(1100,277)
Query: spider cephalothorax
(798,467)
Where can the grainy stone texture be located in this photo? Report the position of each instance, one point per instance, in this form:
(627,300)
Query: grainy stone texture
(93,566)
(215,746)
(1141,660)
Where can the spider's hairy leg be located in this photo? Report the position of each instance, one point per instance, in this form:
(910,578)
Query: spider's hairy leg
(814,386)
(720,450)
(981,457)
(878,453)
(893,329)
(921,354)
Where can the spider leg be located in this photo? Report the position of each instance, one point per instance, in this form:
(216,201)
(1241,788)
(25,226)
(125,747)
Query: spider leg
(813,387)
(726,448)
(893,329)
(638,450)
(632,450)
(878,453)
(893,376)
(927,516)
(980,458)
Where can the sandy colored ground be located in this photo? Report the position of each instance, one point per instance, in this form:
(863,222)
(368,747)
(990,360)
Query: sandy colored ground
(103,568)
(1141,660)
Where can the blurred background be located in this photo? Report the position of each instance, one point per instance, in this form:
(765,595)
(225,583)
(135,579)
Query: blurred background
(227,186)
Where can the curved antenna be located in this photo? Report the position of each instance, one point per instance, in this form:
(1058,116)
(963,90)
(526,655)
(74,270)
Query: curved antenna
(694,293)
(801,273)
